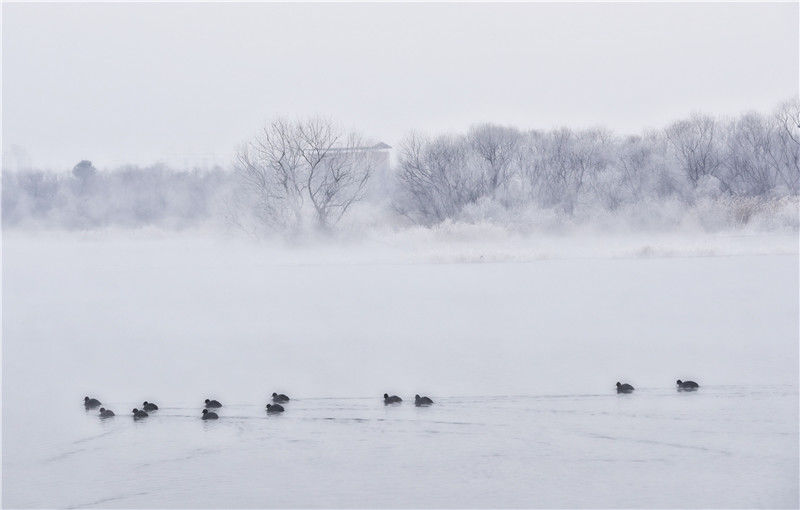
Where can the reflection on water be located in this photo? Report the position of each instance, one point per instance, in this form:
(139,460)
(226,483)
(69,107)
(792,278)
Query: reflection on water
(721,446)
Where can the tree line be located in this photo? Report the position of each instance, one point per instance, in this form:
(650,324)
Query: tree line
(563,169)
(295,176)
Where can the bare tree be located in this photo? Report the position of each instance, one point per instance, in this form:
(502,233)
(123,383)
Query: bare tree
(435,178)
(311,167)
(337,167)
(787,150)
(554,166)
(749,158)
(269,169)
(696,145)
(495,147)
(634,156)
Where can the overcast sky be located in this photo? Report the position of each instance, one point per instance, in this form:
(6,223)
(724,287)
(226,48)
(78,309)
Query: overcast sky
(187,83)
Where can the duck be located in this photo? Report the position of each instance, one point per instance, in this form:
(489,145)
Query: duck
(687,385)
(209,415)
(422,401)
(138,415)
(213,403)
(149,406)
(90,403)
(279,398)
(394,399)
(624,388)
(106,413)
(274,408)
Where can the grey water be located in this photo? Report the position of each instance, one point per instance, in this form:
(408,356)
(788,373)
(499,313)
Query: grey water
(725,446)
(538,343)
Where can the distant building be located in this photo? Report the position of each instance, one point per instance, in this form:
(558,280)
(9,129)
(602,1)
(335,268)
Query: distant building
(380,146)
(381,181)
(380,151)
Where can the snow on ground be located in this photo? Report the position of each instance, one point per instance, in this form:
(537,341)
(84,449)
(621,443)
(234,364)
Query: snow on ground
(521,353)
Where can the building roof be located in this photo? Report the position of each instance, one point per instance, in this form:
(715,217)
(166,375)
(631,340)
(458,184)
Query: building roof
(380,146)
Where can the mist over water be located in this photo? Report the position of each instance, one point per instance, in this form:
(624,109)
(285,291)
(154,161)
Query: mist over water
(519,341)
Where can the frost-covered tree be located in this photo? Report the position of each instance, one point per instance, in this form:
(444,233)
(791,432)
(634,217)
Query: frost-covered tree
(435,178)
(787,144)
(696,146)
(293,170)
(748,165)
(494,147)
(439,177)
(129,197)
(84,170)
(571,160)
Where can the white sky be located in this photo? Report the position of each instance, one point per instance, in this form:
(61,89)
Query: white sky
(187,83)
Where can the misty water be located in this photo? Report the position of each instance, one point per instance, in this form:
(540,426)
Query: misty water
(520,355)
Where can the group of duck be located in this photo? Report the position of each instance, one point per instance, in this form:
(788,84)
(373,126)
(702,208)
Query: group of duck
(279,398)
(418,401)
(273,408)
(149,407)
(682,386)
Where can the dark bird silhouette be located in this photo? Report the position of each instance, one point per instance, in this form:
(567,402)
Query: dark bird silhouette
(394,399)
(209,415)
(274,408)
(138,414)
(149,406)
(213,404)
(90,403)
(687,385)
(106,413)
(422,401)
(624,388)
(279,399)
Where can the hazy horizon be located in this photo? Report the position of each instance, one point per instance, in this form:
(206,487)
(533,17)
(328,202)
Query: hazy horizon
(520,306)
(185,84)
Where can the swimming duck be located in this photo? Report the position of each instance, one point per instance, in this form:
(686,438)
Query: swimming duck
(213,403)
(624,388)
(149,406)
(106,413)
(138,415)
(687,385)
(274,408)
(394,399)
(279,399)
(209,415)
(422,401)
(90,403)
